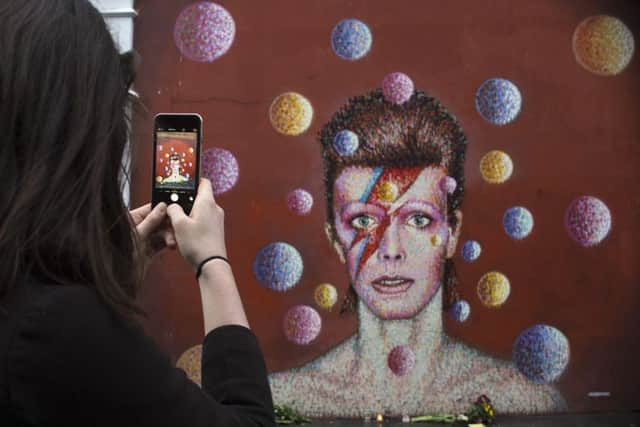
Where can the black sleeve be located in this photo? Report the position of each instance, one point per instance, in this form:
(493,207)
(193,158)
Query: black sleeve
(73,361)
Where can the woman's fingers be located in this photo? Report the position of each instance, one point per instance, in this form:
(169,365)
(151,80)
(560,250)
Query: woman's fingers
(152,220)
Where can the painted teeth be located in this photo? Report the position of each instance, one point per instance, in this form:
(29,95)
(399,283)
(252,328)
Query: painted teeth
(392,282)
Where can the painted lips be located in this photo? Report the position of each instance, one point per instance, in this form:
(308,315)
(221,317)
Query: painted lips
(392,285)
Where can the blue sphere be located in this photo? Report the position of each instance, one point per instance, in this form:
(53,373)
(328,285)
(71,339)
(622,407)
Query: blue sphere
(460,311)
(351,39)
(278,266)
(498,101)
(541,353)
(517,222)
(471,250)
(345,142)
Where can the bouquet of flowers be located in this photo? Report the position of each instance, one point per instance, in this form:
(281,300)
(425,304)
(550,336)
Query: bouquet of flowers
(481,412)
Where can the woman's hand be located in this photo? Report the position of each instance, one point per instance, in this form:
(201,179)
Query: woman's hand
(153,228)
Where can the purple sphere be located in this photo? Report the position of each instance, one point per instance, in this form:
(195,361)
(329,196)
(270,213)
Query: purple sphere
(397,88)
(448,185)
(302,324)
(221,167)
(299,201)
(517,222)
(498,101)
(588,220)
(471,250)
(346,142)
(278,266)
(541,353)
(351,39)
(401,360)
(204,31)
(460,311)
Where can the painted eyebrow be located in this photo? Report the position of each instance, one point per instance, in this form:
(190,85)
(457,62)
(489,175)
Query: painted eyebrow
(420,204)
(362,206)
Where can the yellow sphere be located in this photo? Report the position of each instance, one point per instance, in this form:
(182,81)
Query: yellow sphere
(291,113)
(496,167)
(436,240)
(603,45)
(493,289)
(190,362)
(388,191)
(325,296)
(158,179)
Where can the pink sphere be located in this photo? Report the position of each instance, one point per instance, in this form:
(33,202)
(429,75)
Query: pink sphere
(204,31)
(221,167)
(401,360)
(588,220)
(302,324)
(397,88)
(448,185)
(299,201)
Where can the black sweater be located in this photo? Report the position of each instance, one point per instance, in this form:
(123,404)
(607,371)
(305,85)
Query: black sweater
(66,359)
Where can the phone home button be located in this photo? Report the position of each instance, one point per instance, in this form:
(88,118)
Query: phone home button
(174,197)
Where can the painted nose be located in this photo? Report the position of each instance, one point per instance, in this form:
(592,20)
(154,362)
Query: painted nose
(390,246)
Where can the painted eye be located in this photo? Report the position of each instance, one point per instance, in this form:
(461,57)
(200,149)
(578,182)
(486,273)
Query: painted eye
(363,222)
(419,220)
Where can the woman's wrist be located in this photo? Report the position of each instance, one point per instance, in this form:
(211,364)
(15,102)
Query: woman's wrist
(213,268)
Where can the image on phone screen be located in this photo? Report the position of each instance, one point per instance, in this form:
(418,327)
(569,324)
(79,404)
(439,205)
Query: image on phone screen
(176,160)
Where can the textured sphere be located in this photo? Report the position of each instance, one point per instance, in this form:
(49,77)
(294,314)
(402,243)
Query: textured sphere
(302,324)
(351,39)
(325,295)
(448,185)
(401,360)
(278,266)
(190,362)
(588,220)
(291,113)
(346,142)
(397,88)
(388,191)
(498,101)
(541,353)
(460,311)
(603,45)
(471,250)
(221,167)
(496,167)
(299,201)
(517,222)
(493,289)
(204,31)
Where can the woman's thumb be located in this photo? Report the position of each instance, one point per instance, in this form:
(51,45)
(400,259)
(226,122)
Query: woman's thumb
(175,213)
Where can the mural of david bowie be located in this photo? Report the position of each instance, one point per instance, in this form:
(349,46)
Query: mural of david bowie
(395,225)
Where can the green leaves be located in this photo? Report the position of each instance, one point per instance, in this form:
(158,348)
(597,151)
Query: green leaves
(286,415)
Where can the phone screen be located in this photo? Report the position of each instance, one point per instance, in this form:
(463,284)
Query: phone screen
(176,159)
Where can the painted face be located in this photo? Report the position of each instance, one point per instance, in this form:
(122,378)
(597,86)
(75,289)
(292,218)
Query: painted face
(175,166)
(392,227)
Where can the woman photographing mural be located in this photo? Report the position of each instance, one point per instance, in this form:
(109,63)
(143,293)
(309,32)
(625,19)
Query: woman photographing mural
(71,349)
(393,195)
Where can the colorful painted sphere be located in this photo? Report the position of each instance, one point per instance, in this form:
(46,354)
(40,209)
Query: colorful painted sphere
(388,191)
(221,168)
(588,220)
(346,142)
(351,39)
(603,45)
(299,201)
(190,362)
(397,88)
(204,31)
(278,266)
(401,360)
(498,101)
(460,311)
(291,113)
(493,289)
(541,353)
(325,295)
(302,324)
(436,240)
(517,222)
(471,250)
(496,167)
(448,185)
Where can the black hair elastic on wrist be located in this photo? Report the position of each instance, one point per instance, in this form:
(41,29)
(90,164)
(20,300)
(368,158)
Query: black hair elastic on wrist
(209,259)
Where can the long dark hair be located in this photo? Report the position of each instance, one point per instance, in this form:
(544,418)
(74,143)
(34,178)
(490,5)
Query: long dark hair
(63,131)
(419,132)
